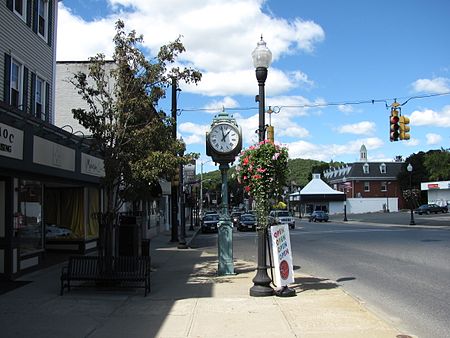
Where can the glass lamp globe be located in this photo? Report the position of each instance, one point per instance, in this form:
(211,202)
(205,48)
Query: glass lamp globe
(262,56)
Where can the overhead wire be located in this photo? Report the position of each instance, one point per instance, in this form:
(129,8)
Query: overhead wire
(277,108)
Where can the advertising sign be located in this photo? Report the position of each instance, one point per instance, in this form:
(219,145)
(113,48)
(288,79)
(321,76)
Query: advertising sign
(11,142)
(282,254)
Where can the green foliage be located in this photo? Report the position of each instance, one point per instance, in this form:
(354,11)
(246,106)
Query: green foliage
(263,171)
(134,139)
(437,163)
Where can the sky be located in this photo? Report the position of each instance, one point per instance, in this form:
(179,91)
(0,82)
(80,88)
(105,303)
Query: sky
(330,60)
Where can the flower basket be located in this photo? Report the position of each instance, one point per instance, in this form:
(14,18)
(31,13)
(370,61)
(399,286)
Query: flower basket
(263,170)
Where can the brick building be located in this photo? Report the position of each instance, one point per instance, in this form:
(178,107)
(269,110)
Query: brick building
(369,186)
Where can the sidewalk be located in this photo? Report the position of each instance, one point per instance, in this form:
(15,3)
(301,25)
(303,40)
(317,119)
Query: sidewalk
(187,300)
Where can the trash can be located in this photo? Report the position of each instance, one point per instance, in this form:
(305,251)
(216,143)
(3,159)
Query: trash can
(128,236)
(145,247)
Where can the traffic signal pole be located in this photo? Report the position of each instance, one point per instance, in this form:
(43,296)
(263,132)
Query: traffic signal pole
(174,186)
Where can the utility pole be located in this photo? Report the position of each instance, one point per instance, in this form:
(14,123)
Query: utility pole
(174,188)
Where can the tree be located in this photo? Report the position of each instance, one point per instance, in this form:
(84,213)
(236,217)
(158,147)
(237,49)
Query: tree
(133,138)
(437,163)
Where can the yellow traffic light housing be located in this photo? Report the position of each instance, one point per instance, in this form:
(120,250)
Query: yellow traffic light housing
(404,128)
(176,178)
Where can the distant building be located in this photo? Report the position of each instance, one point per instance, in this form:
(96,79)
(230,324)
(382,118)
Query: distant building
(317,195)
(369,186)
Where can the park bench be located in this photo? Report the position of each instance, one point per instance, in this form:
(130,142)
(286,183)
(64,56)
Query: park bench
(123,270)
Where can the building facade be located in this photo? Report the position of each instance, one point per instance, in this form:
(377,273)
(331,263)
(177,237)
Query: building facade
(49,177)
(369,186)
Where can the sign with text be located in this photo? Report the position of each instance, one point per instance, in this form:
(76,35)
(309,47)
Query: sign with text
(282,254)
(11,142)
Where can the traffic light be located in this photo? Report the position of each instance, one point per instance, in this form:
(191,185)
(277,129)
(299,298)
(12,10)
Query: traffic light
(176,178)
(404,128)
(394,125)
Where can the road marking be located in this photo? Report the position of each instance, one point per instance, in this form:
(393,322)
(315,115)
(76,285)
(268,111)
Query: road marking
(344,231)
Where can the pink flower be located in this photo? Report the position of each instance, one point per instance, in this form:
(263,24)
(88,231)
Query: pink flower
(275,156)
(247,188)
(261,170)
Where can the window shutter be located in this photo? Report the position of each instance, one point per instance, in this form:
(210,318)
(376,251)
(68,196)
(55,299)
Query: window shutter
(29,13)
(9,4)
(50,23)
(35,16)
(47,103)
(33,94)
(25,89)
(7,82)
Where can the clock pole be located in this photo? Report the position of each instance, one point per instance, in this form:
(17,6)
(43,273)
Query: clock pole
(223,144)
(225,240)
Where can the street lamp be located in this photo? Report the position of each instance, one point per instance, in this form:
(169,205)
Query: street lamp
(262,57)
(410,169)
(344,180)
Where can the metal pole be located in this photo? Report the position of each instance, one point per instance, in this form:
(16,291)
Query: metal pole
(201,189)
(411,222)
(174,191)
(261,282)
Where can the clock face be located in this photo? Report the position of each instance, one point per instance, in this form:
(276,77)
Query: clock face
(224,137)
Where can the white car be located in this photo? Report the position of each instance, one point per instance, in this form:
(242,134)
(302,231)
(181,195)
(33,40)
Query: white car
(282,217)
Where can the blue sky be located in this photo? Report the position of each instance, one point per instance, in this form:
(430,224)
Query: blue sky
(327,53)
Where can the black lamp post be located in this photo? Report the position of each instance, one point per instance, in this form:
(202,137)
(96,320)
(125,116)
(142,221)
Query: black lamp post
(262,57)
(410,169)
(344,179)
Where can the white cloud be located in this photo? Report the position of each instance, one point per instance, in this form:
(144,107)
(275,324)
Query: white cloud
(412,142)
(327,152)
(436,85)
(345,108)
(193,133)
(433,138)
(217,105)
(219,37)
(360,128)
(430,117)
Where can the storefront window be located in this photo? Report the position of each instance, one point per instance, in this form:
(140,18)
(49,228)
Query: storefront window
(29,229)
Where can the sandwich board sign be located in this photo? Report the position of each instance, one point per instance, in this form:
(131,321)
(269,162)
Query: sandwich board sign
(282,254)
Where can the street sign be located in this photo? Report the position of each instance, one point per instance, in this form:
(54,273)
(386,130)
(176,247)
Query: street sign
(282,254)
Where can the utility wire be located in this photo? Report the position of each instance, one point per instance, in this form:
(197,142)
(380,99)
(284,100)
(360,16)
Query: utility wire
(276,108)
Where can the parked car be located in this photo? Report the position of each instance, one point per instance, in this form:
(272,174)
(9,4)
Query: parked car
(209,223)
(235,216)
(318,215)
(247,222)
(282,217)
(429,208)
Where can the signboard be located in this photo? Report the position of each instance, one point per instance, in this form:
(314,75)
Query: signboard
(91,165)
(11,142)
(282,254)
(52,154)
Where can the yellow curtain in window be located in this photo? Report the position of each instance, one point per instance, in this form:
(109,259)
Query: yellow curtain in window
(72,211)
(93,209)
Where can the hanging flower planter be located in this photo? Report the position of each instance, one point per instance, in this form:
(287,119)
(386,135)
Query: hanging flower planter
(263,171)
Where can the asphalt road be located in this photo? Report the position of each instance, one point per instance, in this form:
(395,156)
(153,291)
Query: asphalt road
(401,272)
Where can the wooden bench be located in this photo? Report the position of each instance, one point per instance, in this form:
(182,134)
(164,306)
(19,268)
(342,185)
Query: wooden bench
(123,269)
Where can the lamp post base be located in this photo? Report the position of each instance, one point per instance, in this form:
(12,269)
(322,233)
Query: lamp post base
(261,281)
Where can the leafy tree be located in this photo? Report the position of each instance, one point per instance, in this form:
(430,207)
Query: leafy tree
(437,163)
(133,138)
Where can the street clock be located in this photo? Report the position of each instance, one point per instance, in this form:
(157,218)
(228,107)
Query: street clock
(224,140)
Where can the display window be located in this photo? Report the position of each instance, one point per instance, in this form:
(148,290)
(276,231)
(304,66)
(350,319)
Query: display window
(28,219)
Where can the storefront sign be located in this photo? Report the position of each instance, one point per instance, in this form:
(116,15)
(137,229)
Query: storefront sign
(52,154)
(11,142)
(91,165)
(433,186)
(282,254)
